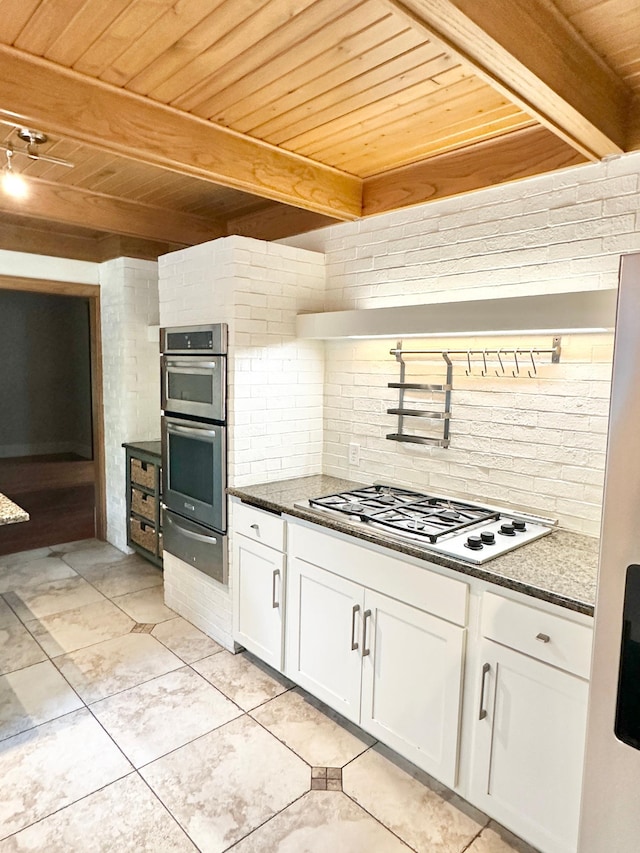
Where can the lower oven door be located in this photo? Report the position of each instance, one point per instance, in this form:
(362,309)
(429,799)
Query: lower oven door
(194,472)
(204,549)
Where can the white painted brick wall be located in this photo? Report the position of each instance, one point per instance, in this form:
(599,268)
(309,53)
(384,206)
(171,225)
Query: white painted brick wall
(530,443)
(275,401)
(200,599)
(131,371)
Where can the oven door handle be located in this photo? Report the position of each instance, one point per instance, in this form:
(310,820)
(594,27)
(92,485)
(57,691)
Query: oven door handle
(191,431)
(190,534)
(203,366)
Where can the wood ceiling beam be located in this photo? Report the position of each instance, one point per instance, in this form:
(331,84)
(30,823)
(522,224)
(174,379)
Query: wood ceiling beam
(75,206)
(529,52)
(59,100)
(521,154)
(36,237)
(276,221)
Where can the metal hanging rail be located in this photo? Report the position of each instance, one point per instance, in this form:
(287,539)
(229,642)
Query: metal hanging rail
(500,355)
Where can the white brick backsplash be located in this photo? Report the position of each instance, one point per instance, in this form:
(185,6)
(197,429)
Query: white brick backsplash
(534,443)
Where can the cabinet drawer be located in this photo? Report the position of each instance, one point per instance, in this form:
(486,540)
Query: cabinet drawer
(384,572)
(143,473)
(143,534)
(259,525)
(144,504)
(541,635)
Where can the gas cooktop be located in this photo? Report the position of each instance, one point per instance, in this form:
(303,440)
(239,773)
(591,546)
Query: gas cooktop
(448,526)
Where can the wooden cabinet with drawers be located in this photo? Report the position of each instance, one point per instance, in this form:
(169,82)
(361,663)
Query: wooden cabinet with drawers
(144,491)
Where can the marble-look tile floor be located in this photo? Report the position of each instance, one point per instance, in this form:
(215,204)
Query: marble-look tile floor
(123,727)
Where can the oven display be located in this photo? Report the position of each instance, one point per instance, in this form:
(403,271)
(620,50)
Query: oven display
(185,341)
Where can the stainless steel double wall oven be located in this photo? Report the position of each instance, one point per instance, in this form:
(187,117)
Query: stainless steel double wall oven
(194,456)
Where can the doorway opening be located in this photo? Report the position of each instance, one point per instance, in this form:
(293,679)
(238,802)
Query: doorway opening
(51,453)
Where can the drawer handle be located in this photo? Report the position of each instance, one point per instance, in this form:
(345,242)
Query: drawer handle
(354,642)
(483,711)
(544,638)
(255,527)
(274,601)
(365,650)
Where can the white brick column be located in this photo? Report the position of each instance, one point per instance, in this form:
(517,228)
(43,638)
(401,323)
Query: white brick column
(274,414)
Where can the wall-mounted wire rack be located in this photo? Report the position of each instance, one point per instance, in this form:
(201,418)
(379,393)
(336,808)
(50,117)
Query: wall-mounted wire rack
(524,363)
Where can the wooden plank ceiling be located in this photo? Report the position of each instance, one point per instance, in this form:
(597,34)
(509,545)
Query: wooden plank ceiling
(186,121)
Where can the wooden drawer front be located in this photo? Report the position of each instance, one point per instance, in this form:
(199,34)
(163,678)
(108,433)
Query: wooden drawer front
(143,473)
(143,504)
(259,525)
(541,635)
(386,572)
(143,534)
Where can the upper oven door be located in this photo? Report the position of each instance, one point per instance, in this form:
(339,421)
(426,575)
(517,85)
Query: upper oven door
(194,475)
(195,385)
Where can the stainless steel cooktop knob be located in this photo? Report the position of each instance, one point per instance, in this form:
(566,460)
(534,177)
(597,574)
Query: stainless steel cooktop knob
(488,537)
(474,542)
(507,529)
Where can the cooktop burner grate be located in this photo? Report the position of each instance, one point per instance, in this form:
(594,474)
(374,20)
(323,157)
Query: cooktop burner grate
(406,511)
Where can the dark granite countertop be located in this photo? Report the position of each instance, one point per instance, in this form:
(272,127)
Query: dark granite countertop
(154,448)
(560,568)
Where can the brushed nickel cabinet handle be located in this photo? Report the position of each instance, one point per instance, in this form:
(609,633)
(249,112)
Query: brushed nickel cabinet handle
(255,527)
(483,711)
(274,601)
(365,650)
(354,642)
(544,638)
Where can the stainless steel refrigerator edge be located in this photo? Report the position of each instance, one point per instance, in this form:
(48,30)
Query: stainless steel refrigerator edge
(610,818)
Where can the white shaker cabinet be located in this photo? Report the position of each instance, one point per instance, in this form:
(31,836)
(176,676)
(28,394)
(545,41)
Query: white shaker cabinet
(411,683)
(388,666)
(531,722)
(324,628)
(259,583)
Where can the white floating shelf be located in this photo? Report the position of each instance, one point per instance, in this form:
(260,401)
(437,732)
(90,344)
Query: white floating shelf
(576,311)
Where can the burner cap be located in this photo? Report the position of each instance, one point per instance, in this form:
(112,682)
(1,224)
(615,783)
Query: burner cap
(449,514)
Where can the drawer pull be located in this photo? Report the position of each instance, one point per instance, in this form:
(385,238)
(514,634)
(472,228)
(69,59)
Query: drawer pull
(354,642)
(483,711)
(544,638)
(255,527)
(365,650)
(274,601)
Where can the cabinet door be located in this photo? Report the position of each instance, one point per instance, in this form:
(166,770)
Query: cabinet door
(324,632)
(258,588)
(529,747)
(412,683)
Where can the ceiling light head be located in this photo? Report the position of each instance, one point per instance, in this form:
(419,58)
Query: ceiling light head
(31,136)
(13,184)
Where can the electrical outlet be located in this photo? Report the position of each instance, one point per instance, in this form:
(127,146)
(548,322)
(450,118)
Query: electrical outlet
(354,453)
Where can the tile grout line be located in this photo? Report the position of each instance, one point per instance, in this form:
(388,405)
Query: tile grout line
(167,809)
(67,805)
(476,836)
(265,822)
(365,810)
